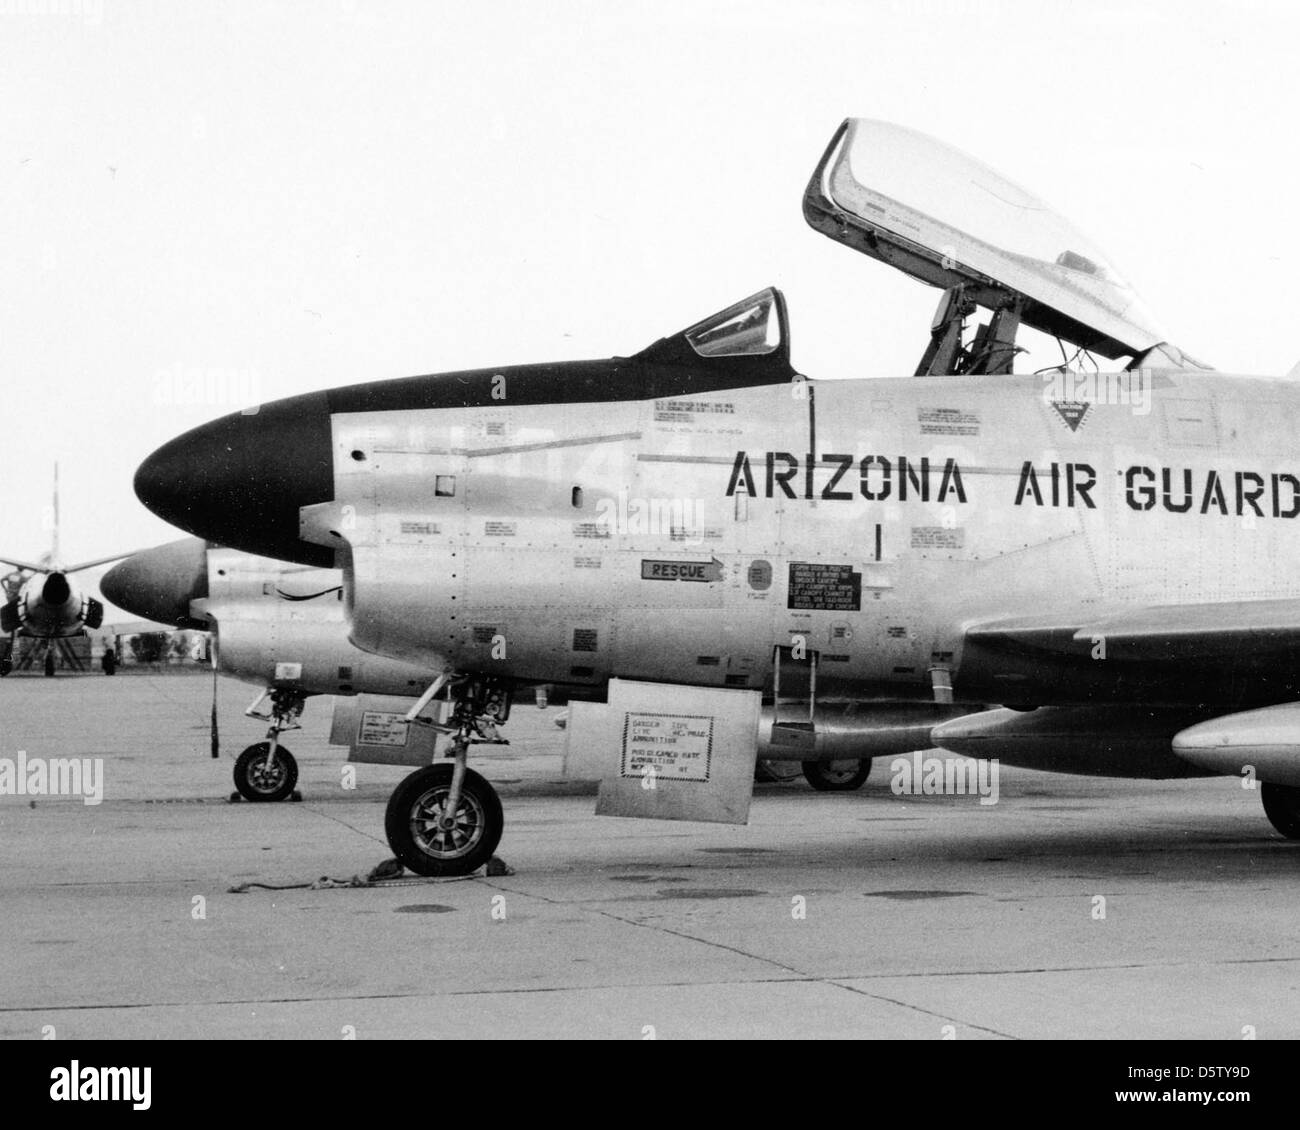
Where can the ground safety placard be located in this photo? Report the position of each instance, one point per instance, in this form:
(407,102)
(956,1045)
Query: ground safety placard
(380,727)
(667,752)
(673,747)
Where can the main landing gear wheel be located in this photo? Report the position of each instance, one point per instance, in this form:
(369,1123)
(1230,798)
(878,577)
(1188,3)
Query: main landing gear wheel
(1282,807)
(49,664)
(6,665)
(770,772)
(837,776)
(258,781)
(429,840)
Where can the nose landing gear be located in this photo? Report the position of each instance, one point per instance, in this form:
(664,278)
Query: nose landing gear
(446,820)
(266,771)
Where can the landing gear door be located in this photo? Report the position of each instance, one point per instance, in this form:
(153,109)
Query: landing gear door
(666,752)
(375,730)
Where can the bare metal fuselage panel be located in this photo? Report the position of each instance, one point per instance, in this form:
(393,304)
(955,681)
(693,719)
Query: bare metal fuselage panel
(980,525)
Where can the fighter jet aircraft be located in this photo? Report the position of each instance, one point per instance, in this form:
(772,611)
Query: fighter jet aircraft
(733,556)
(276,625)
(43,601)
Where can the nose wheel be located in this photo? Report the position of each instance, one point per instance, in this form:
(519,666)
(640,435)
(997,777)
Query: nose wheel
(266,771)
(265,775)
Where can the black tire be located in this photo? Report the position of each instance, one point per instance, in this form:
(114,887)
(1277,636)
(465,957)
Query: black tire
(419,845)
(49,664)
(256,783)
(6,665)
(771,772)
(110,665)
(1282,807)
(837,776)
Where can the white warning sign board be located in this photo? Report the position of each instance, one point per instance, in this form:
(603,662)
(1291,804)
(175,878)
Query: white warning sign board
(667,752)
(674,747)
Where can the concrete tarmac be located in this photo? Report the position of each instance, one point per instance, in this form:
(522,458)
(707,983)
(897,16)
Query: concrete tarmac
(845,915)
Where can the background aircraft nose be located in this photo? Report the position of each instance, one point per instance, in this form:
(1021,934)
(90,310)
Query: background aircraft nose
(158,584)
(240,480)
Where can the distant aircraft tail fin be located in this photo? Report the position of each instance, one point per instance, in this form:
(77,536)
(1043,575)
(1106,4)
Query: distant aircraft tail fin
(54,523)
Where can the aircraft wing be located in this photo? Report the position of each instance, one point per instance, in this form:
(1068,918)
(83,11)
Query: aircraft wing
(133,628)
(28,565)
(1200,633)
(99,561)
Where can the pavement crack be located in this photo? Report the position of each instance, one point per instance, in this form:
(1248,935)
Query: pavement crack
(923,1011)
(799,974)
(343,823)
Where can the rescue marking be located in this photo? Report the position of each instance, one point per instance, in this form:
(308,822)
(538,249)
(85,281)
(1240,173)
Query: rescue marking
(701,571)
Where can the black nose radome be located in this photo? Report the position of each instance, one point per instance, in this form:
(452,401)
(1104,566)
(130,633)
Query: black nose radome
(158,584)
(240,480)
(56,590)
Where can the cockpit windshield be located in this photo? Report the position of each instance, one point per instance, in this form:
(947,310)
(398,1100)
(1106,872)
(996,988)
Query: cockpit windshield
(747,329)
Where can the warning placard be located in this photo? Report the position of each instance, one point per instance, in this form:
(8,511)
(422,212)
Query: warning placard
(948,422)
(937,537)
(824,588)
(667,752)
(382,727)
(672,747)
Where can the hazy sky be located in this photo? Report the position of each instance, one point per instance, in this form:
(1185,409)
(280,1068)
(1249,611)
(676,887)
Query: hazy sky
(282,197)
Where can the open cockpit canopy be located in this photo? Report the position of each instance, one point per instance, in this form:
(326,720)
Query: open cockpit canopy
(943,217)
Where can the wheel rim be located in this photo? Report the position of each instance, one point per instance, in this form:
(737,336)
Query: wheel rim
(833,772)
(446,843)
(264,779)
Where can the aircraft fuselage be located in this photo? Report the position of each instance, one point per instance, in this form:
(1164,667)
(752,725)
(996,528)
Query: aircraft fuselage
(683,539)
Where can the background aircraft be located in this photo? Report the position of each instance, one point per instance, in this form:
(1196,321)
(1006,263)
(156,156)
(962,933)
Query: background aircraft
(43,601)
(1112,557)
